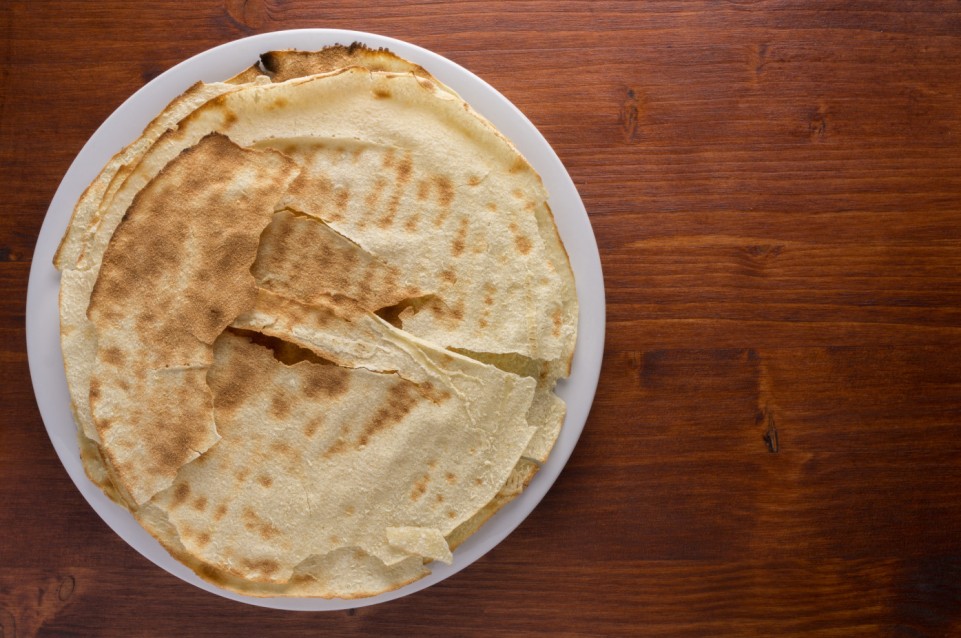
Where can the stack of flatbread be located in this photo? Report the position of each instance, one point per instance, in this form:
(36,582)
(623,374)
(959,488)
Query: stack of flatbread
(312,321)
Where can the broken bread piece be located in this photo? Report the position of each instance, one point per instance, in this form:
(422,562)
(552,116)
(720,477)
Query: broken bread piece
(317,457)
(176,273)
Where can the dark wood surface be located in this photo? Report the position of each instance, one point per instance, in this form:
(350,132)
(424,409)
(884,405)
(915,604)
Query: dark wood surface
(776,192)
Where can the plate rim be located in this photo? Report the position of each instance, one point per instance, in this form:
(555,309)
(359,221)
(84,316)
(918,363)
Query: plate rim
(126,123)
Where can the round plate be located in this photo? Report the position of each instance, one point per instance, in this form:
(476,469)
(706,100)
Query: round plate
(220,63)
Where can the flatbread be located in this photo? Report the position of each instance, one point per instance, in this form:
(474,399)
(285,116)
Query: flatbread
(408,245)
(466,193)
(176,273)
(284,483)
(80,268)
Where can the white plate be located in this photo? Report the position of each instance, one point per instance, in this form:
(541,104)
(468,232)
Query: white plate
(127,122)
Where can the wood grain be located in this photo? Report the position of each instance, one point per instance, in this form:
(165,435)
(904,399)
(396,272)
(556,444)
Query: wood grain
(775,187)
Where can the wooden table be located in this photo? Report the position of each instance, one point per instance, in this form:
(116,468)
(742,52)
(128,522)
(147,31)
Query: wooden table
(776,193)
